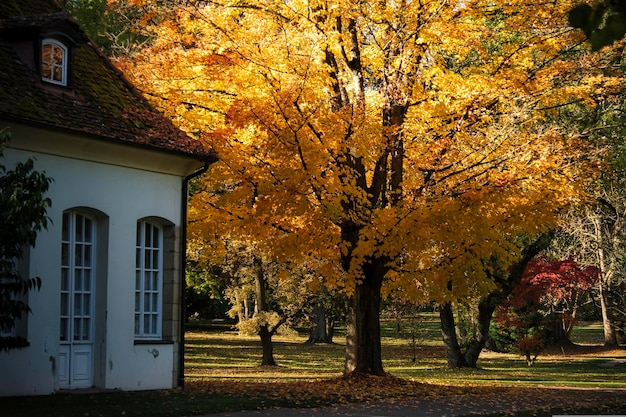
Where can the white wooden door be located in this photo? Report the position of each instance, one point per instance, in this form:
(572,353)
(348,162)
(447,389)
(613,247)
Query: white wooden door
(75,365)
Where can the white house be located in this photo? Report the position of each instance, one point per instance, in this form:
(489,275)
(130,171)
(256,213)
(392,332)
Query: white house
(108,314)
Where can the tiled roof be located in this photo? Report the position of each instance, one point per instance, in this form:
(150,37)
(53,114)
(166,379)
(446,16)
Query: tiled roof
(99,102)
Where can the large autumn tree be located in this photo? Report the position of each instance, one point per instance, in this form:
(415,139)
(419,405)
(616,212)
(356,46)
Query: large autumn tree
(395,145)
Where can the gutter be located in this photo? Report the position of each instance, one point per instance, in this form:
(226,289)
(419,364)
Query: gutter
(183,269)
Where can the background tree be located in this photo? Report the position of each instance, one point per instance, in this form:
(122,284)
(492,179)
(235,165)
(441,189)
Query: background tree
(542,309)
(594,233)
(23,211)
(265,296)
(465,351)
(114,25)
(393,145)
(327,310)
(204,294)
(562,287)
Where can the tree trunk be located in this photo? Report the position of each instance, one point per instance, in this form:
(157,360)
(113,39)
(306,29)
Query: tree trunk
(268,347)
(606,273)
(456,359)
(261,302)
(561,328)
(322,330)
(610,335)
(486,307)
(363,348)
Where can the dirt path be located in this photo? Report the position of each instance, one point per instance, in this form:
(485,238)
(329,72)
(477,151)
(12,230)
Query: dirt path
(457,405)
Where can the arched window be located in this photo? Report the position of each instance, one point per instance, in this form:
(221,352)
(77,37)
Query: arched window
(54,57)
(148,280)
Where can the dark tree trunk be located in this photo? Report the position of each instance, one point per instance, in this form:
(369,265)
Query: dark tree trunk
(363,348)
(261,300)
(468,357)
(486,307)
(560,330)
(268,347)
(456,359)
(323,326)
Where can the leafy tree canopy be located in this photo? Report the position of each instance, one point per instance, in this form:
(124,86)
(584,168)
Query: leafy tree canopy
(394,145)
(23,212)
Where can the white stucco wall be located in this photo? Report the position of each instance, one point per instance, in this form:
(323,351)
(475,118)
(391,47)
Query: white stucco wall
(89,176)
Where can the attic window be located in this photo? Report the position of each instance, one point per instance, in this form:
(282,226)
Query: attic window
(54,59)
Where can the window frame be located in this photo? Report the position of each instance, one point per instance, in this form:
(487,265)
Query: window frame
(154,311)
(64,65)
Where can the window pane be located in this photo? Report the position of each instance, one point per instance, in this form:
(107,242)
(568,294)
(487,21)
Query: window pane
(147,238)
(64,330)
(77,304)
(137,330)
(146,324)
(87,255)
(146,303)
(87,305)
(78,279)
(46,71)
(77,327)
(78,255)
(147,264)
(79,228)
(88,230)
(86,329)
(155,259)
(46,53)
(146,282)
(57,74)
(87,279)
(155,299)
(57,55)
(155,237)
(137,302)
(65,307)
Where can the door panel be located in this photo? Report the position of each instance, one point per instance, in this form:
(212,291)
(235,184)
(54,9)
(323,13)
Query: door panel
(81,366)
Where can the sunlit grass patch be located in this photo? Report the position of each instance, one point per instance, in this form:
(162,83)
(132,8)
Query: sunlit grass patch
(218,353)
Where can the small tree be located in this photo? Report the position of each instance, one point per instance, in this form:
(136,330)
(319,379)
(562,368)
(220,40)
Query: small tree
(23,212)
(542,308)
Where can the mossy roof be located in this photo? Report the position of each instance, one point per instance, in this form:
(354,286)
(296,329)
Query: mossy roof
(99,101)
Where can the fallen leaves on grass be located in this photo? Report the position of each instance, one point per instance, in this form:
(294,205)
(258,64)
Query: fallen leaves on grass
(393,390)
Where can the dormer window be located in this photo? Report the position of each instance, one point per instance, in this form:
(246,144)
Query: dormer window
(54,57)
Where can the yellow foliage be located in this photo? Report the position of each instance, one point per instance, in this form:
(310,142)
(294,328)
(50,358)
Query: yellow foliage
(419,137)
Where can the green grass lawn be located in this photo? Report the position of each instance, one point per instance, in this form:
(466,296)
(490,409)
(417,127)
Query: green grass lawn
(222,373)
(217,352)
